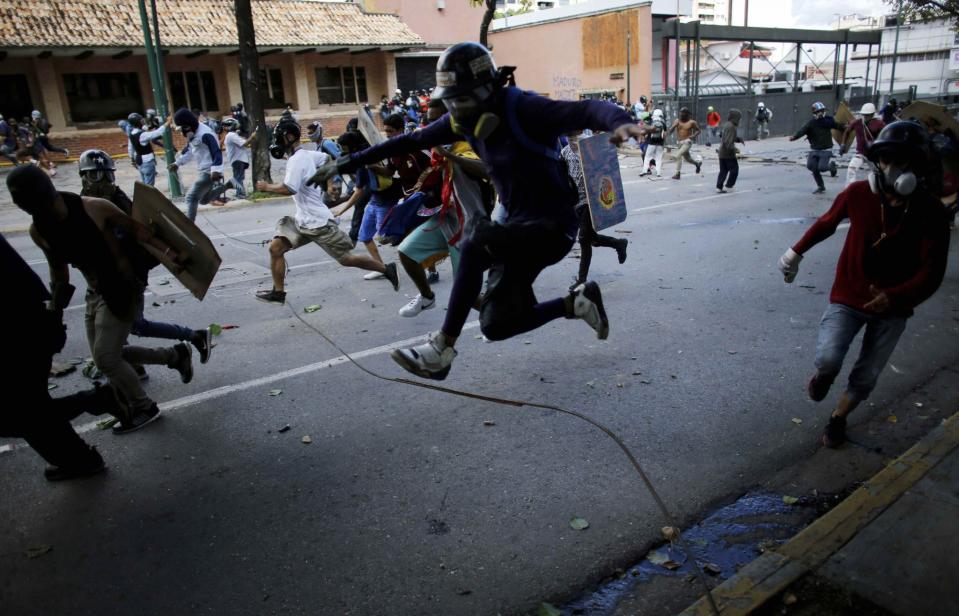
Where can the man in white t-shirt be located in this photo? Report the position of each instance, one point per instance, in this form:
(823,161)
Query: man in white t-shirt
(237,154)
(313,221)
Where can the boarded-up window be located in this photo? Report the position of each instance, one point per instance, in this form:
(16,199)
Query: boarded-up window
(604,39)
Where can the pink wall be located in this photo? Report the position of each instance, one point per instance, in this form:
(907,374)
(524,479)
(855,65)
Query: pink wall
(457,22)
(550,59)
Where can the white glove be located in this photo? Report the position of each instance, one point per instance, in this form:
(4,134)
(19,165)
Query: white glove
(789,265)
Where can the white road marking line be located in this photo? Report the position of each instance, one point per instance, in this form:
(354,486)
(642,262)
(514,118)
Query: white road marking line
(706,198)
(219,392)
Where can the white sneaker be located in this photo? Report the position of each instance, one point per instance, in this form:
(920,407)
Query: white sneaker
(588,306)
(417,305)
(373,276)
(430,360)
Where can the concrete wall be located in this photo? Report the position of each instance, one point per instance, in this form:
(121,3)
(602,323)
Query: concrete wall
(564,59)
(457,22)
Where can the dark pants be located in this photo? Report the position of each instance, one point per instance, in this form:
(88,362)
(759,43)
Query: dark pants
(42,421)
(45,142)
(728,172)
(514,254)
(589,238)
(817,161)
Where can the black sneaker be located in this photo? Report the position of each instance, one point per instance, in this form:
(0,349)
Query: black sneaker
(203,341)
(139,420)
(92,466)
(272,296)
(391,275)
(819,385)
(819,190)
(141,373)
(588,306)
(833,169)
(835,433)
(698,167)
(184,362)
(621,250)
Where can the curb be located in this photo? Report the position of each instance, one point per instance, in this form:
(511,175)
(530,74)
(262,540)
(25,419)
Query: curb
(777,569)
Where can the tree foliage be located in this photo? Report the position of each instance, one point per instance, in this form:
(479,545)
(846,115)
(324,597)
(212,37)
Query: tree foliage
(924,10)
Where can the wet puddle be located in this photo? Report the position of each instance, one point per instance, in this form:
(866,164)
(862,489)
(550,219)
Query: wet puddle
(729,538)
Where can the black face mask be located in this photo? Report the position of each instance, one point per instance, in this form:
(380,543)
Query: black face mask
(97,184)
(278,146)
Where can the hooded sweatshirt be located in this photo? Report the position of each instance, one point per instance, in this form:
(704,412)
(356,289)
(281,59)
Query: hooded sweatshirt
(727,148)
(204,146)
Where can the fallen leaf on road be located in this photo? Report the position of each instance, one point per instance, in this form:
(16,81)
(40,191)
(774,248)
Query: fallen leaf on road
(546,609)
(276,392)
(464,592)
(892,419)
(306,440)
(578,524)
(672,565)
(37,551)
(790,500)
(312,308)
(215,329)
(285,428)
(637,373)
(796,420)
(670,533)
(591,383)
(489,423)
(163,283)
(732,352)
(106,424)
(645,382)
(51,386)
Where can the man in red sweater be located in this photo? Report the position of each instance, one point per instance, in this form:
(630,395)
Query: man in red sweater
(894,258)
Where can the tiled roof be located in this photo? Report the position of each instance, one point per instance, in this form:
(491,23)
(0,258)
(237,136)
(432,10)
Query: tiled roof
(195,23)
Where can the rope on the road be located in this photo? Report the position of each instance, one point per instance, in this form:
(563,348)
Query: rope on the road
(539,405)
(235,239)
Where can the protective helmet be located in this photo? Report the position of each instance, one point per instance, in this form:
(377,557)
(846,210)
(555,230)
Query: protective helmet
(151,113)
(230,124)
(817,107)
(135,120)
(657,114)
(462,68)
(905,139)
(762,105)
(278,145)
(314,131)
(185,119)
(710,108)
(643,99)
(95,165)
(35,114)
(868,109)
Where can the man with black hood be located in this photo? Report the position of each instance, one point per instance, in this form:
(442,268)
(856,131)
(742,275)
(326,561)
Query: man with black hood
(516,134)
(728,164)
(203,146)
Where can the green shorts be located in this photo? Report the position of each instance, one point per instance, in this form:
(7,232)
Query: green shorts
(426,241)
(329,237)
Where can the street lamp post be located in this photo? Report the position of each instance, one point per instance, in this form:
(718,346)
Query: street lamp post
(895,51)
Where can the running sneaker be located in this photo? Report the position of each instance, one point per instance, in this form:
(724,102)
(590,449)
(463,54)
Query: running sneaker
(588,306)
(184,362)
(373,276)
(835,433)
(203,341)
(272,296)
(392,276)
(820,190)
(91,466)
(417,305)
(621,250)
(699,166)
(676,176)
(430,360)
(139,420)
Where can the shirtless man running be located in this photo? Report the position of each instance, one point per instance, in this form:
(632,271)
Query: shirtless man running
(687,129)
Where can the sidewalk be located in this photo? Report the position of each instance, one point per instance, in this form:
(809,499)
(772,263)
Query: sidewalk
(890,548)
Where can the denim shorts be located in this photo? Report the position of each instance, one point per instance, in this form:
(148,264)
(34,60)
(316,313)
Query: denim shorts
(373,219)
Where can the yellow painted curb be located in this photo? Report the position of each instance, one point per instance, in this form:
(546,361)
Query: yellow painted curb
(775,570)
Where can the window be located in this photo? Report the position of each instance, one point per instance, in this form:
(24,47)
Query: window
(917,57)
(193,90)
(341,84)
(271,87)
(94,97)
(15,101)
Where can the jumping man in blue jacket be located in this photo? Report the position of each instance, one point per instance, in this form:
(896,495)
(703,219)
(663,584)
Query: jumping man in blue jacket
(516,135)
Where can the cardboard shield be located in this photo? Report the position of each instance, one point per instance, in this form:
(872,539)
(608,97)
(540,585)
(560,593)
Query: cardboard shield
(843,116)
(936,118)
(153,209)
(604,184)
(368,127)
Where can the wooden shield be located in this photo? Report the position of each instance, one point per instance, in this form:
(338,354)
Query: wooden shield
(936,118)
(843,116)
(152,208)
(604,184)
(368,128)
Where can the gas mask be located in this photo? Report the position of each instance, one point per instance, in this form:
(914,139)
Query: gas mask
(188,132)
(894,179)
(97,183)
(467,113)
(278,144)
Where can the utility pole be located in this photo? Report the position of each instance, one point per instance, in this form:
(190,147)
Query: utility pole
(249,61)
(629,40)
(159,93)
(895,51)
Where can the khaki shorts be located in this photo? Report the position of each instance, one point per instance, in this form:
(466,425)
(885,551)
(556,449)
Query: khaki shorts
(333,241)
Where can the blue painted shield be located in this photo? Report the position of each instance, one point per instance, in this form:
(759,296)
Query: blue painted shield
(604,184)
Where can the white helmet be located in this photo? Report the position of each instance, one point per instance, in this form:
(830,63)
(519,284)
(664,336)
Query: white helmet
(762,105)
(868,109)
(657,114)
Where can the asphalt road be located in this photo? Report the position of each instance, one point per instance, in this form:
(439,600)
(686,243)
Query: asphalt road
(406,502)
